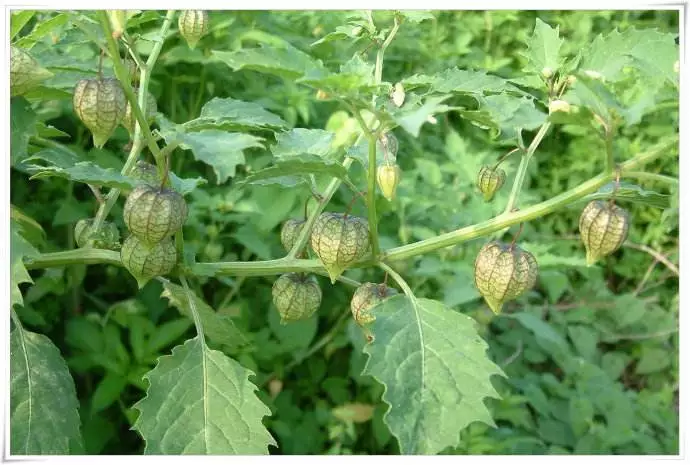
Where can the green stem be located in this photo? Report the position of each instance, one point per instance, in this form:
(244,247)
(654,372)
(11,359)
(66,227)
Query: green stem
(398,279)
(610,161)
(86,256)
(662,178)
(378,70)
(522,169)
(535,211)
(287,264)
(193,310)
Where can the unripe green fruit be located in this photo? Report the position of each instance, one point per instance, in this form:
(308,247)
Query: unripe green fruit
(152,214)
(129,119)
(289,233)
(339,241)
(108,237)
(503,272)
(146,261)
(25,72)
(297,296)
(388,178)
(603,229)
(100,105)
(490,180)
(193,25)
(367,296)
(146,173)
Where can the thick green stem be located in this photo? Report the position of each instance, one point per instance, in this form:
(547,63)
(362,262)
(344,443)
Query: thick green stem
(530,213)
(522,169)
(283,265)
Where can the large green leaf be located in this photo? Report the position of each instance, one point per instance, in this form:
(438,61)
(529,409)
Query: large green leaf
(218,328)
(43,402)
(222,150)
(543,48)
(19,248)
(200,401)
(462,81)
(507,114)
(299,141)
(288,172)
(434,367)
(652,52)
(413,115)
(234,115)
(287,62)
(355,77)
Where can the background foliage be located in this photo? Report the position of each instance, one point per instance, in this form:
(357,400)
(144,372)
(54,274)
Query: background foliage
(590,355)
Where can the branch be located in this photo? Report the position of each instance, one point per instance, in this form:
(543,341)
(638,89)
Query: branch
(522,169)
(287,264)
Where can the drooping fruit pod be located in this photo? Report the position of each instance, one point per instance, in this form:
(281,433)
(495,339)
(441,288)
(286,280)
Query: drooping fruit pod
(152,213)
(367,296)
(297,296)
(603,229)
(107,237)
(129,119)
(388,178)
(339,241)
(193,25)
(146,173)
(503,272)
(490,180)
(25,72)
(146,261)
(100,105)
(388,144)
(290,232)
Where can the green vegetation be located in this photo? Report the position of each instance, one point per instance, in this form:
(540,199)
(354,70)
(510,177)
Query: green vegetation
(274,164)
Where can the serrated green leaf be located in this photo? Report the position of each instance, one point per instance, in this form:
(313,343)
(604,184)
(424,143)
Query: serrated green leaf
(65,165)
(44,418)
(287,62)
(22,127)
(299,141)
(28,227)
(185,185)
(49,132)
(222,150)
(234,115)
(19,249)
(629,192)
(296,166)
(355,76)
(218,328)
(201,402)
(434,367)
(543,48)
(462,81)
(413,115)
(651,52)
(507,114)
(593,94)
